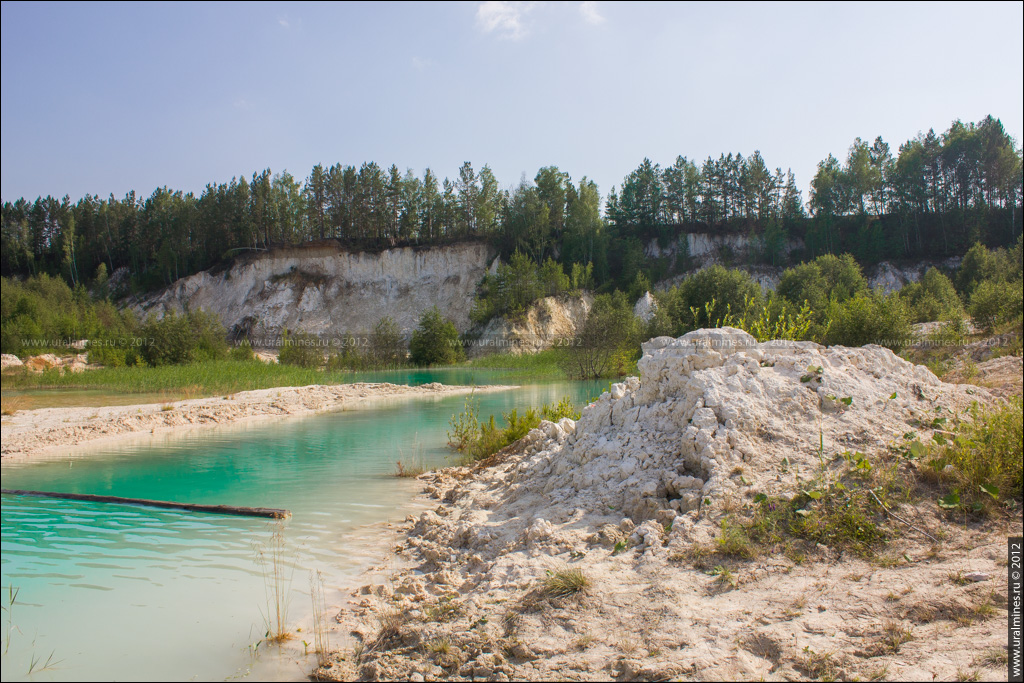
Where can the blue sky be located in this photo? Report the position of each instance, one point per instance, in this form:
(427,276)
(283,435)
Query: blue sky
(101,98)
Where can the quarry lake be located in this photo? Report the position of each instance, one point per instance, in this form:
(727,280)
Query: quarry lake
(112,592)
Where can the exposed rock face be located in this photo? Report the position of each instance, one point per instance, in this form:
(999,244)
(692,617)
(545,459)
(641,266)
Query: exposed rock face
(706,248)
(328,291)
(885,276)
(889,277)
(48,361)
(547,322)
(645,307)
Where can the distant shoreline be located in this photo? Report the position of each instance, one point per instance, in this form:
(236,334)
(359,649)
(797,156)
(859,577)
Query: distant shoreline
(59,432)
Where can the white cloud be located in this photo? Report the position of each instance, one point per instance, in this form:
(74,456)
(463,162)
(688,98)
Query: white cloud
(504,19)
(284,23)
(420,63)
(590,14)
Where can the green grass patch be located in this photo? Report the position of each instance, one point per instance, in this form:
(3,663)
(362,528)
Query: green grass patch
(837,510)
(541,365)
(980,469)
(477,440)
(209,378)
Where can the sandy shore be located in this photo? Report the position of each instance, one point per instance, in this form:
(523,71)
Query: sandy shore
(64,431)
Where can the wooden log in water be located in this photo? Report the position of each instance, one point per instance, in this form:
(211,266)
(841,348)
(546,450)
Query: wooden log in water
(272,513)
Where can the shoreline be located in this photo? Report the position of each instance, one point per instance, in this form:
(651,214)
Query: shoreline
(60,432)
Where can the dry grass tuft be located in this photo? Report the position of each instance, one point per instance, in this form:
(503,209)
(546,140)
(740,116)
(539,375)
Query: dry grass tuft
(894,635)
(389,626)
(410,469)
(818,665)
(565,583)
(12,404)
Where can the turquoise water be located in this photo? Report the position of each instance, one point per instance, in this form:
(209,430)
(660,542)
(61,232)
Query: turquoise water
(111,592)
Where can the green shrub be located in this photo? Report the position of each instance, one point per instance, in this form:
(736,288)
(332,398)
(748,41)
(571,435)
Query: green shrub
(982,466)
(301,350)
(707,296)
(347,358)
(660,323)
(952,333)
(243,351)
(640,285)
(994,302)
(564,408)
(387,347)
(176,339)
(978,264)
(826,278)
(517,284)
(435,341)
(868,318)
(105,352)
(477,440)
(211,337)
(465,427)
(553,280)
(775,319)
(607,342)
(581,277)
(42,313)
(933,298)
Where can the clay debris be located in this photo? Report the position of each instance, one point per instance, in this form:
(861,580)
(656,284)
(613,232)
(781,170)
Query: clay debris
(649,470)
(47,361)
(716,416)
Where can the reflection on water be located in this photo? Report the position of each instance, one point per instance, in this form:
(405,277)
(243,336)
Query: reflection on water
(121,592)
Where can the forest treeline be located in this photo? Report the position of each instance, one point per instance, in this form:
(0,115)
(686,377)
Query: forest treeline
(936,196)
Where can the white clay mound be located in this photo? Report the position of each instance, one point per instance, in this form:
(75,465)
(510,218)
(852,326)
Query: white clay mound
(715,416)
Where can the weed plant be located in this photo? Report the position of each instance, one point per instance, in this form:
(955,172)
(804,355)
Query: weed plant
(321,637)
(277,578)
(980,469)
(477,440)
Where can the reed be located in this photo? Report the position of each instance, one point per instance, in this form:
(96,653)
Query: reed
(12,597)
(277,579)
(321,636)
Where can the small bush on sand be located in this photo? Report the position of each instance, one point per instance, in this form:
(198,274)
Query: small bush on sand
(565,583)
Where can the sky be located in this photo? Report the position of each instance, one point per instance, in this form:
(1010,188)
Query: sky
(106,98)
